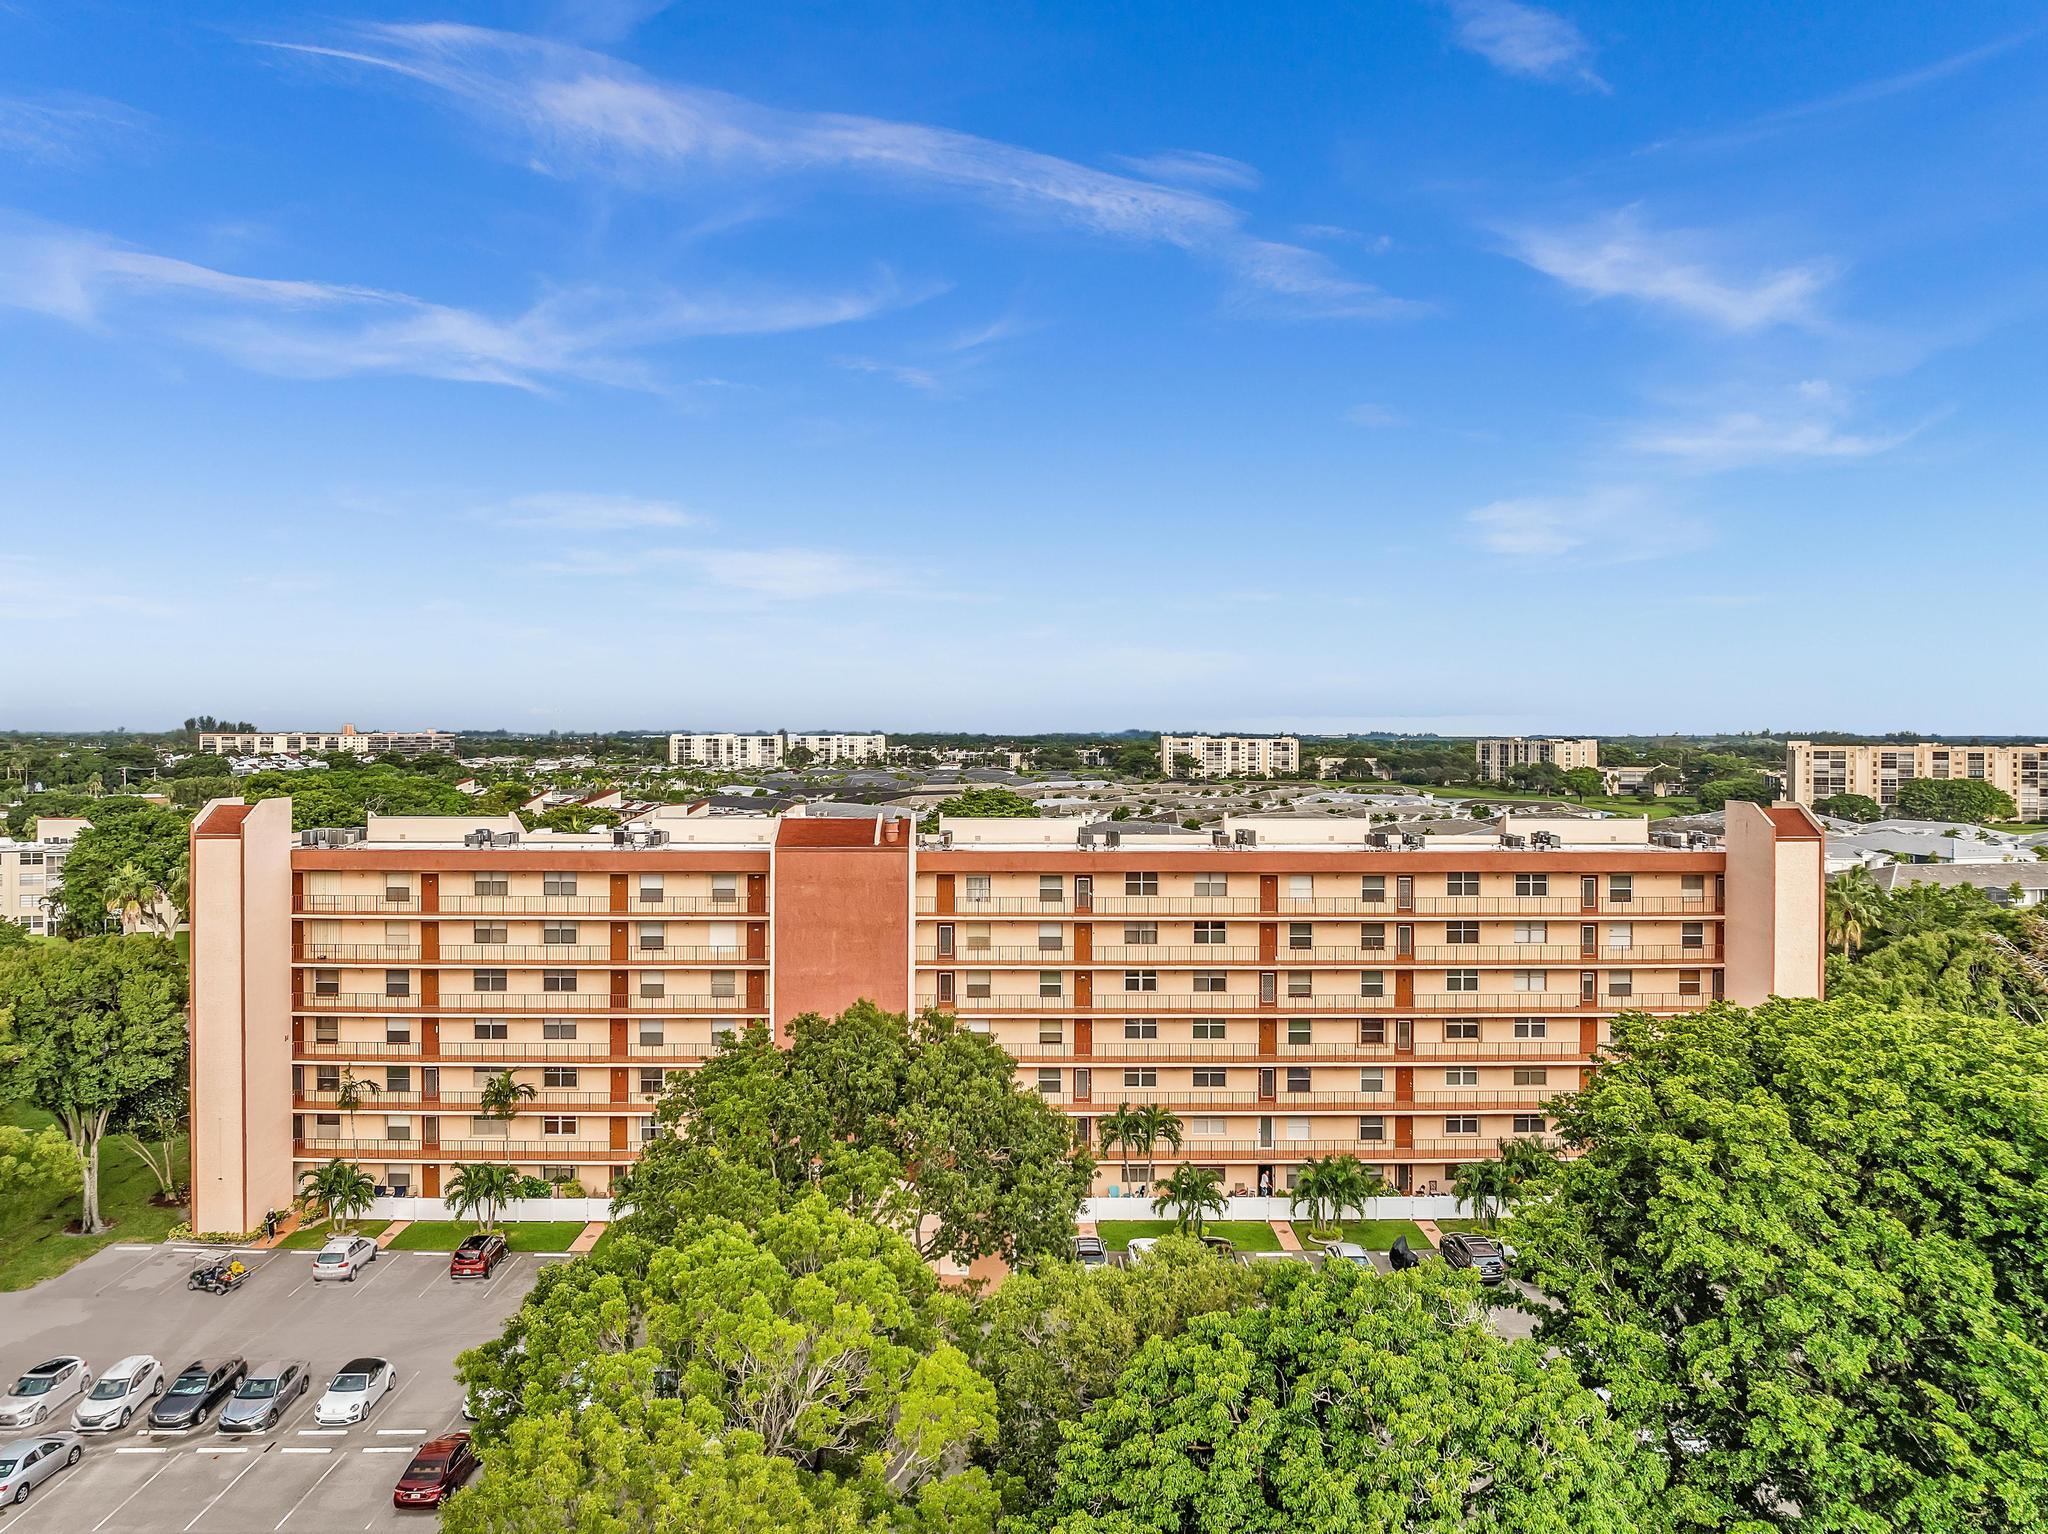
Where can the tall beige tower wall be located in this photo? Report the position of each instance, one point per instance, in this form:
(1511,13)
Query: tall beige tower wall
(1777,880)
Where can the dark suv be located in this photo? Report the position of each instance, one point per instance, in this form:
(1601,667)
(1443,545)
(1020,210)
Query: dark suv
(477,1256)
(1482,1254)
(195,1393)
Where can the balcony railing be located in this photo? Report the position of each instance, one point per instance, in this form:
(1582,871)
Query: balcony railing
(545,1152)
(1241,1003)
(968,908)
(1202,1150)
(598,905)
(1107,1095)
(1114,1050)
(522,1001)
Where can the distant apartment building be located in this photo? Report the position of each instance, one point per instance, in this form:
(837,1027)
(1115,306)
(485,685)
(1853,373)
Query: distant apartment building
(347,740)
(730,752)
(1337,766)
(32,868)
(1289,987)
(1497,756)
(1229,756)
(1815,772)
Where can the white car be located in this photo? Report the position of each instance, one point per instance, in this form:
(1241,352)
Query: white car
(1139,1248)
(38,1394)
(28,1462)
(356,1387)
(121,1392)
(1348,1251)
(344,1257)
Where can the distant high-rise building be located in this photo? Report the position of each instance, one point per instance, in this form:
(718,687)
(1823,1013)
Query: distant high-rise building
(1497,756)
(1816,772)
(751,753)
(347,740)
(1229,756)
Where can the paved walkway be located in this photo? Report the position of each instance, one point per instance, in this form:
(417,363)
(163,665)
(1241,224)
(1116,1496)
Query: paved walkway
(1289,1242)
(285,1227)
(588,1238)
(1430,1233)
(391,1233)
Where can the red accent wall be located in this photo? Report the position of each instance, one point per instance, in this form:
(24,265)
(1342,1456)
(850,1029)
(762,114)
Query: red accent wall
(842,921)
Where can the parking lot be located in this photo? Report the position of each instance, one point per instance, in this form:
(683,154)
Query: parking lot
(403,1307)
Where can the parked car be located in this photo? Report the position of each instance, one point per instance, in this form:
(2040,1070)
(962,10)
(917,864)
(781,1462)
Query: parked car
(1221,1244)
(1139,1248)
(438,1467)
(264,1397)
(195,1393)
(1482,1254)
(1348,1251)
(478,1255)
(28,1462)
(118,1394)
(1090,1252)
(356,1387)
(344,1257)
(37,1395)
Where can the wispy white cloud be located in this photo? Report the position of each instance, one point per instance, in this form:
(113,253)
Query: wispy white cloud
(305,329)
(1744,438)
(1622,257)
(1525,40)
(1191,167)
(63,128)
(576,112)
(789,574)
(1378,417)
(1609,525)
(583,512)
(904,373)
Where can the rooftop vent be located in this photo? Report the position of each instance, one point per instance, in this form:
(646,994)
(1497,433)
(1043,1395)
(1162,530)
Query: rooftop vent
(505,839)
(1547,839)
(1514,840)
(1668,839)
(1246,838)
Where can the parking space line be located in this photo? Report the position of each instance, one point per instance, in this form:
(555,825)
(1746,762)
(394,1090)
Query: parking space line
(146,1480)
(219,1448)
(154,1449)
(219,1494)
(305,1449)
(322,1432)
(287,1518)
(401,1432)
(125,1273)
(379,1448)
(401,1390)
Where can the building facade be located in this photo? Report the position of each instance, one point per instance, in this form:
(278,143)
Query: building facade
(1289,988)
(32,869)
(347,740)
(1230,756)
(752,753)
(1816,772)
(1497,756)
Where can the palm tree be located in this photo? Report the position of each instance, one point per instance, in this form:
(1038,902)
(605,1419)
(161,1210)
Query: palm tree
(1485,1187)
(1119,1129)
(351,1089)
(1192,1193)
(1855,905)
(1154,1124)
(500,1097)
(132,895)
(1529,1162)
(485,1186)
(1333,1186)
(341,1188)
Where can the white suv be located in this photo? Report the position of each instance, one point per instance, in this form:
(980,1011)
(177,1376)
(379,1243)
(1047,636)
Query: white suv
(344,1257)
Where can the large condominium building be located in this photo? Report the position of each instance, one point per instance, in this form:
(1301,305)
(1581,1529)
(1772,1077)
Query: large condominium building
(1815,772)
(31,869)
(743,753)
(1290,987)
(1497,756)
(1229,756)
(348,739)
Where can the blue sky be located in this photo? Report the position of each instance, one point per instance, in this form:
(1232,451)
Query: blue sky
(1400,365)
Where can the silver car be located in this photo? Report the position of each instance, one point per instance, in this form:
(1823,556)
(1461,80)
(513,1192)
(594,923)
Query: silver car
(121,1392)
(265,1396)
(344,1257)
(38,1394)
(28,1462)
(1349,1251)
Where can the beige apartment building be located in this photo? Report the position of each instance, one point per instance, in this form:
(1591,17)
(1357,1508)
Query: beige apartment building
(32,868)
(1230,756)
(1816,772)
(747,753)
(348,739)
(1289,987)
(1498,755)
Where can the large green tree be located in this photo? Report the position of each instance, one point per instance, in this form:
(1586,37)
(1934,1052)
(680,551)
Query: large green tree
(132,851)
(1954,799)
(92,1029)
(1802,1247)
(1000,802)
(1353,1403)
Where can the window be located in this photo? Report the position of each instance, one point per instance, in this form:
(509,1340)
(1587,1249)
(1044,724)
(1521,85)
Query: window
(557,1173)
(1301,886)
(1532,931)
(1206,1129)
(1208,1027)
(1461,932)
(1051,1031)
(558,1027)
(488,884)
(977,886)
(653,937)
(1372,1081)
(1688,982)
(1211,932)
(1141,1027)
(1143,1076)
(1530,1124)
(1461,980)
(1461,1076)
(326,1078)
(1297,1078)
(725,889)
(398,1078)
(1372,887)
(1621,982)
(653,1031)
(651,889)
(1209,1078)
(1532,979)
(974,937)
(326,1126)
(557,1124)
(487,979)
(725,984)
(558,1076)
(1050,938)
(1531,1076)
(558,934)
(1532,884)
(1621,934)
(1212,884)
(1297,1129)
(979,985)
(1461,1029)
(1141,884)
(1300,1030)
(653,984)
(1372,1030)
(1052,889)
(490,934)
(1141,934)
(488,1129)
(397,1031)
(1210,981)
(1461,884)
(326,982)
(1372,934)
(490,1028)
(1373,1128)
(1464,1124)
(1621,888)
(1301,935)
(1692,934)
(1692,885)
(1372,982)
(558,980)
(554,883)
(397,894)
(1531,1028)
(1051,985)
(1300,982)
(1141,1175)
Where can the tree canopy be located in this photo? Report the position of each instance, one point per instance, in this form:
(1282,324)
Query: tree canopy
(1850,807)
(124,834)
(1954,799)
(996,802)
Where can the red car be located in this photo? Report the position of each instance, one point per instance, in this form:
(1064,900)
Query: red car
(477,1256)
(440,1466)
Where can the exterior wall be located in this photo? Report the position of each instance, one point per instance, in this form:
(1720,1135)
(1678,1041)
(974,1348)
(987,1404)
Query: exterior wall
(1497,756)
(1225,756)
(844,905)
(741,753)
(1815,772)
(1776,898)
(326,742)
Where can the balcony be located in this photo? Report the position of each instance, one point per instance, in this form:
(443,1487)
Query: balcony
(515,1050)
(1242,1004)
(521,1001)
(1109,1095)
(544,1152)
(968,908)
(1424,1052)
(1480,1147)
(598,905)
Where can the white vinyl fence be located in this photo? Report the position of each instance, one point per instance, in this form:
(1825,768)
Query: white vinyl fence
(1416,1207)
(585,1209)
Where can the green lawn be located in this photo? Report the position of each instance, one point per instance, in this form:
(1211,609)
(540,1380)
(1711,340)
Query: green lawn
(1373,1235)
(310,1238)
(1491,1230)
(33,1242)
(1249,1235)
(524,1235)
